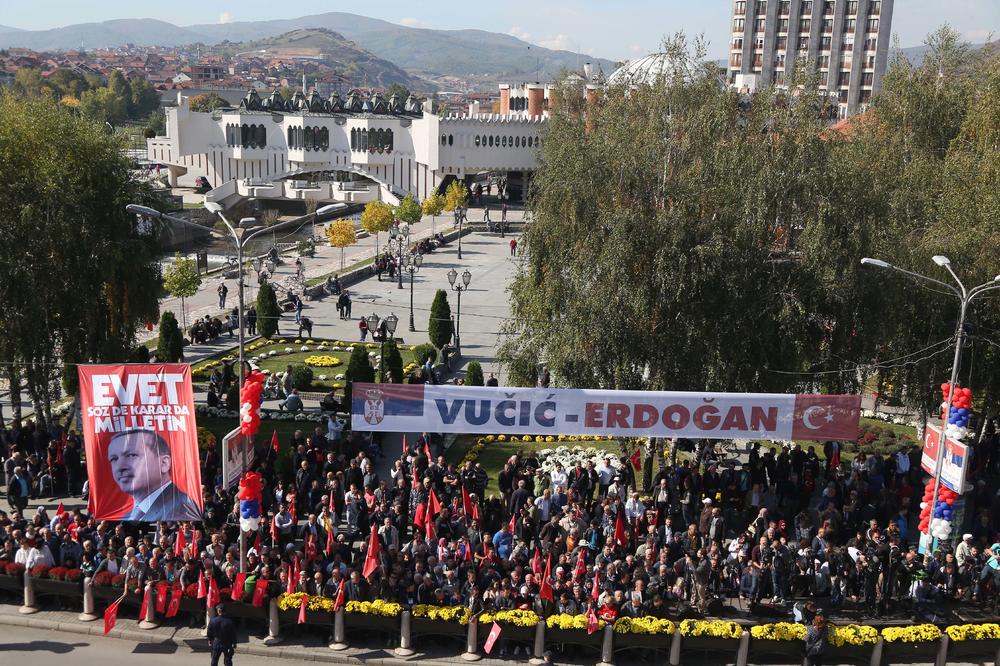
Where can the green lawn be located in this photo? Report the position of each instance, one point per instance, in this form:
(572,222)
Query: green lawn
(495,454)
(312,282)
(279,363)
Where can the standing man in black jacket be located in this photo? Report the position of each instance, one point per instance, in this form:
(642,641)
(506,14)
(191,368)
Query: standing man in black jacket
(222,637)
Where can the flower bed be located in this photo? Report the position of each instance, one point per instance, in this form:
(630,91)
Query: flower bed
(378,607)
(710,636)
(439,620)
(572,629)
(973,642)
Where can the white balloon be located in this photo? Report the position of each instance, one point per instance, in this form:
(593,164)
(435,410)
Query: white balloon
(923,505)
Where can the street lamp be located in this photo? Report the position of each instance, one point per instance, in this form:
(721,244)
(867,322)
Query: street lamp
(459,287)
(390,328)
(400,234)
(240,239)
(412,266)
(965,297)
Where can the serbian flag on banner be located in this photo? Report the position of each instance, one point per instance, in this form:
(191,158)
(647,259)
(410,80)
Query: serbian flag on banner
(593,624)
(302,610)
(238,585)
(259,589)
(492,638)
(274,441)
(371,559)
(637,459)
(545,592)
(621,537)
(110,617)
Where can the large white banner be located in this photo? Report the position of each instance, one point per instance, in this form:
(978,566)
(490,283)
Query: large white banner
(538,411)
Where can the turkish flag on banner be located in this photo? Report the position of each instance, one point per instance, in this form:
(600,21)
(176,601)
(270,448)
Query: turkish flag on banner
(492,638)
(110,617)
(144,606)
(637,458)
(302,609)
(545,592)
(826,417)
(238,586)
(275,446)
(179,543)
(161,597)
(371,559)
(202,590)
(592,622)
(621,537)
(259,590)
(175,602)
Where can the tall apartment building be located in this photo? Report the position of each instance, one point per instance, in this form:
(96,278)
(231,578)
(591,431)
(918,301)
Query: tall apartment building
(847,41)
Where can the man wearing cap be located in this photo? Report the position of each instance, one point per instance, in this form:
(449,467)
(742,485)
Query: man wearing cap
(963,550)
(222,636)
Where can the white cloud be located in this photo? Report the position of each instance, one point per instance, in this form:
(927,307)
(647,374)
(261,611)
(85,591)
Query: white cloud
(411,22)
(559,42)
(516,31)
(225,17)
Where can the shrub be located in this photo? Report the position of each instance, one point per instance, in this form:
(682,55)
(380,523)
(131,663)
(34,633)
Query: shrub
(302,377)
(233,397)
(421,352)
(57,573)
(14,569)
(170,346)
(268,311)
(392,362)
(440,328)
(139,355)
(40,571)
(103,579)
(359,369)
(118,580)
(474,374)
(73,575)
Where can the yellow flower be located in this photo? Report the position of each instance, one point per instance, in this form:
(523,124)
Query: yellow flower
(564,621)
(458,614)
(643,625)
(973,632)
(782,631)
(518,618)
(713,628)
(920,633)
(323,361)
(851,634)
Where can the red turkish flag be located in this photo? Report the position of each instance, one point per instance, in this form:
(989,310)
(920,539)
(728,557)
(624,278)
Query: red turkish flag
(256,543)
(371,559)
(513,523)
(274,441)
(468,553)
(259,590)
(427,452)
(302,609)
(175,601)
(621,537)
(329,539)
(61,509)
(545,592)
(420,516)
(311,548)
(274,531)
(338,601)
(144,606)
(592,622)
(637,459)
(213,592)
(179,544)
(202,590)
(536,563)
(433,505)
(404,444)
(110,617)
(581,564)
(238,585)
(492,638)
(161,597)
(429,530)
(595,593)
(826,417)
(467,504)
(194,543)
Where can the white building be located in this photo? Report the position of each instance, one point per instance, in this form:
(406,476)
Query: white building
(303,149)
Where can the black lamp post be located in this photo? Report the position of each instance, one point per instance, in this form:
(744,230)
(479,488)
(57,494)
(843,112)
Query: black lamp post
(413,263)
(401,235)
(459,287)
(390,328)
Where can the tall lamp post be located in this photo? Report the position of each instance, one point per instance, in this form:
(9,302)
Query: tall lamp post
(390,328)
(965,297)
(240,239)
(413,263)
(459,287)
(400,235)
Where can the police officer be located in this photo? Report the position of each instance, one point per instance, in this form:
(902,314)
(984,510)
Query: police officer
(222,637)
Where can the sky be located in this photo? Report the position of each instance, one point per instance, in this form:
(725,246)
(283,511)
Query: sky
(613,29)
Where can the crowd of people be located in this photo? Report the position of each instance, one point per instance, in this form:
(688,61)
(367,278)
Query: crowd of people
(782,526)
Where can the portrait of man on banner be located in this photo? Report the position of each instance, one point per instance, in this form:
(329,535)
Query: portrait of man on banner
(141,442)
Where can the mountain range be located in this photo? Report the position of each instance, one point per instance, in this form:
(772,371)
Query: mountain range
(470,54)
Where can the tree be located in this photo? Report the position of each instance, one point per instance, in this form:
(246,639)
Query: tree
(268,312)
(377,216)
(474,374)
(81,273)
(104,106)
(181,280)
(408,210)
(341,233)
(440,328)
(456,196)
(392,363)
(433,206)
(170,345)
(144,98)
(359,369)
(157,122)
(207,102)
(397,89)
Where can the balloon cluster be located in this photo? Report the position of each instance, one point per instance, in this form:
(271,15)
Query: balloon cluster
(958,413)
(250,501)
(938,525)
(253,388)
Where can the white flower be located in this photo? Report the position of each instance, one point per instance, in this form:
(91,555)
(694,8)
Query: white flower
(322,378)
(340,377)
(336,348)
(272,352)
(349,349)
(372,354)
(304,348)
(288,350)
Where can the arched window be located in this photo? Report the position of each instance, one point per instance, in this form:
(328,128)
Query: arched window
(324,139)
(451,140)
(354,138)
(444,140)
(529,142)
(380,140)
(291,138)
(477,140)
(388,140)
(504,142)
(364,140)
(491,140)
(309,138)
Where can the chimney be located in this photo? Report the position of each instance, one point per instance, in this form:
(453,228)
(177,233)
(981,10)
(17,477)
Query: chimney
(588,70)
(536,96)
(473,109)
(593,93)
(504,99)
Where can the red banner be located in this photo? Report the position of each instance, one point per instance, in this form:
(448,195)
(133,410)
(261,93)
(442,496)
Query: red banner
(141,442)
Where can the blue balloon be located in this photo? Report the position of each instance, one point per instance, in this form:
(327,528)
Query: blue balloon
(964,411)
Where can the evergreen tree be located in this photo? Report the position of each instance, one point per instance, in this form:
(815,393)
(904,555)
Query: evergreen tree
(170,346)
(268,311)
(474,374)
(359,369)
(440,327)
(392,362)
